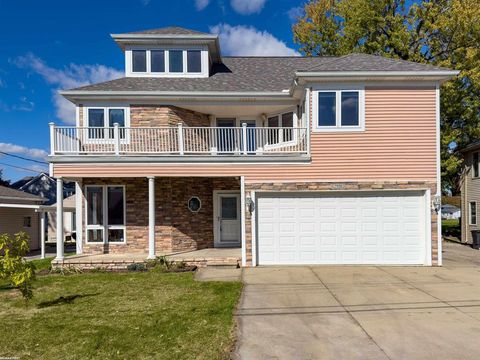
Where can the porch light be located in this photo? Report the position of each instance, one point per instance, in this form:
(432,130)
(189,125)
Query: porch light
(437,203)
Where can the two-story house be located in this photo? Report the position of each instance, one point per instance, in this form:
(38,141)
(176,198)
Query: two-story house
(292,160)
(470,193)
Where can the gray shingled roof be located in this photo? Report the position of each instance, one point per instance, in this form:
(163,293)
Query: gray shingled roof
(234,74)
(7,193)
(170,30)
(365,62)
(258,74)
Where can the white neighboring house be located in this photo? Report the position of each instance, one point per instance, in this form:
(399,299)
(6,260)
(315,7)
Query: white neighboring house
(68,220)
(450,212)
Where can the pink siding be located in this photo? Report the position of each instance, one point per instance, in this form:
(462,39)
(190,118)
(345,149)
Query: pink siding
(398,144)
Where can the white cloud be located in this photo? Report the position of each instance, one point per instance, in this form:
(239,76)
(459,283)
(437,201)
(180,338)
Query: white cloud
(246,7)
(247,40)
(201,4)
(70,76)
(22,150)
(295,13)
(145,2)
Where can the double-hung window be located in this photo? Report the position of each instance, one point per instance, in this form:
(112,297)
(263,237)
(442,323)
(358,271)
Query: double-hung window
(339,110)
(106,117)
(105,207)
(472,213)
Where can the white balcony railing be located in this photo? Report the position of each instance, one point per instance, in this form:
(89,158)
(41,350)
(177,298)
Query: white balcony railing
(180,140)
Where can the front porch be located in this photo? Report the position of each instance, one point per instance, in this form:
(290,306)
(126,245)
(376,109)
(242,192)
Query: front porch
(123,221)
(230,257)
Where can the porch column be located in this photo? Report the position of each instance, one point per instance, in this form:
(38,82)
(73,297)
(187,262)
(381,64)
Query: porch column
(42,235)
(59,219)
(151,217)
(79,216)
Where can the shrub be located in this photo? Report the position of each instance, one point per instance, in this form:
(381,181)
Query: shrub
(13,266)
(136,267)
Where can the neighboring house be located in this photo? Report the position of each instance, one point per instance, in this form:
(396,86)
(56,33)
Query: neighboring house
(295,160)
(450,212)
(470,191)
(68,220)
(46,187)
(19,212)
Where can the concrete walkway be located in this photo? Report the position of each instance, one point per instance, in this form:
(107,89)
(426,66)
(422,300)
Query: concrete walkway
(362,312)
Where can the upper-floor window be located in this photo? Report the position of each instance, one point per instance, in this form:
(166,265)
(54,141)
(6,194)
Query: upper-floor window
(339,109)
(166,62)
(99,118)
(475,164)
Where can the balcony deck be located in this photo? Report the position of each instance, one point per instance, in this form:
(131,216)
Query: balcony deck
(181,141)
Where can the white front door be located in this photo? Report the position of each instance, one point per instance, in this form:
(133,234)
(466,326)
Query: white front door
(228,220)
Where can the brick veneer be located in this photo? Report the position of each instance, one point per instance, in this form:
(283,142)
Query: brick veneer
(322,186)
(176,228)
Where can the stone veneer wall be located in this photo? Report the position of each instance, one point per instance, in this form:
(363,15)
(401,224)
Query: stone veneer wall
(176,228)
(160,115)
(322,186)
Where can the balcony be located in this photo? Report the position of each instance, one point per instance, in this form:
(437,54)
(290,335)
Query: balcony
(180,141)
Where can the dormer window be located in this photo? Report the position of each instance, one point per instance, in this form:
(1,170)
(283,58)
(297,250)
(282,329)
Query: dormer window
(167,62)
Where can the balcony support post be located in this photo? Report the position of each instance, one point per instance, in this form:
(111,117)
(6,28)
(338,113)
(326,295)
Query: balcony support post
(52,138)
(116,137)
(244,138)
(60,233)
(180,139)
(151,217)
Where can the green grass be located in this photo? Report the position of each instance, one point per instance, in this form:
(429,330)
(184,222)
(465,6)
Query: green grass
(150,315)
(451,227)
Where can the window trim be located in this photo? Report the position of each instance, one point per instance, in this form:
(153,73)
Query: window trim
(338,89)
(474,203)
(105,227)
(106,109)
(204,59)
(477,167)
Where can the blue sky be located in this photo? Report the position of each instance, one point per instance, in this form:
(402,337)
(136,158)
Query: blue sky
(50,45)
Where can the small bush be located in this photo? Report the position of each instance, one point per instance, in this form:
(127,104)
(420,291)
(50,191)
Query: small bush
(13,266)
(136,267)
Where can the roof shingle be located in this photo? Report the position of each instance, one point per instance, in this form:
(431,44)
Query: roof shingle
(9,193)
(170,30)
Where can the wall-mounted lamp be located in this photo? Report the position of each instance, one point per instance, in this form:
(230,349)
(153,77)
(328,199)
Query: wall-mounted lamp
(437,203)
(250,204)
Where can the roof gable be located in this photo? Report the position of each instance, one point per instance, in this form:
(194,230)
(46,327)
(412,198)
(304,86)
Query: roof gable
(169,30)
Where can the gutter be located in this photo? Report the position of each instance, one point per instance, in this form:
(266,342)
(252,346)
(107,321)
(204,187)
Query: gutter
(430,73)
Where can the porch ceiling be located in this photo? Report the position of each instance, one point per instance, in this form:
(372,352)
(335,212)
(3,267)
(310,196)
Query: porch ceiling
(239,110)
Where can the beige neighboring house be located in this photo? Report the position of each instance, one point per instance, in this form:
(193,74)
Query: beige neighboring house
(470,191)
(21,211)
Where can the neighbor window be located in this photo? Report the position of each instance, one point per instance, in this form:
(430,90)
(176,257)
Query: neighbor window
(194,61)
(100,118)
(27,222)
(473,213)
(339,109)
(157,61)
(139,60)
(475,164)
(105,213)
(175,61)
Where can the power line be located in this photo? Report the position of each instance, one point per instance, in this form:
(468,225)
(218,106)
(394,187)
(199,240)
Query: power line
(20,167)
(23,158)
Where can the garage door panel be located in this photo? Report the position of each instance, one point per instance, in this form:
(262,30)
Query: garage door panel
(344,229)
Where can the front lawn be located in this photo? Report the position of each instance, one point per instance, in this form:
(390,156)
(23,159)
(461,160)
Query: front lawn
(148,315)
(451,227)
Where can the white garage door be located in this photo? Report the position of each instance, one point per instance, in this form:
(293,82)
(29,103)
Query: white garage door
(341,228)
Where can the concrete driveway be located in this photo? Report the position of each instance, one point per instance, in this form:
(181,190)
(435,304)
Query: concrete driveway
(320,312)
